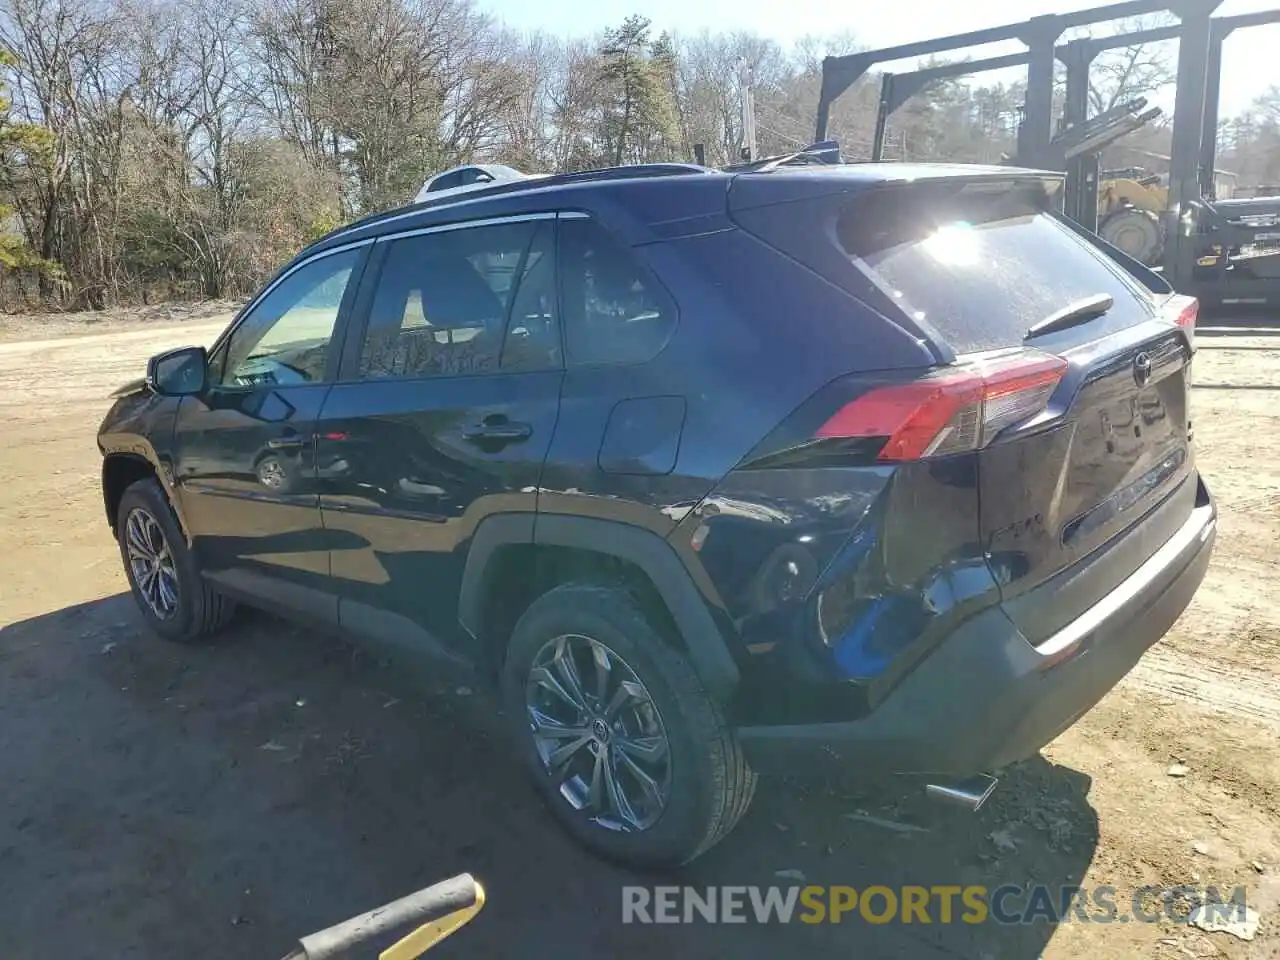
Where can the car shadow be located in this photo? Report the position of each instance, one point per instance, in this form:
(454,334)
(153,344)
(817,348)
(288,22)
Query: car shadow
(223,800)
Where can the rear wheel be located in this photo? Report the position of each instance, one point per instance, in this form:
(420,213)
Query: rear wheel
(1136,232)
(174,599)
(623,743)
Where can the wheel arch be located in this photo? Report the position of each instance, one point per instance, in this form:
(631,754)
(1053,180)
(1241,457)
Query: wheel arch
(646,552)
(119,472)
(124,464)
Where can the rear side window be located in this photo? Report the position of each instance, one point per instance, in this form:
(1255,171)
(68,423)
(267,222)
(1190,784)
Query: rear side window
(472,300)
(980,263)
(614,309)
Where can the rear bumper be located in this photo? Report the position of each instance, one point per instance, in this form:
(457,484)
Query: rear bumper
(987,697)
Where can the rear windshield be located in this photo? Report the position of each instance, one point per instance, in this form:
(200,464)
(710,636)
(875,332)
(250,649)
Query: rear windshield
(982,262)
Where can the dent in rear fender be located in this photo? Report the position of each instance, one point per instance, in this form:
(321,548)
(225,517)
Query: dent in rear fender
(764,536)
(835,575)
(908,577)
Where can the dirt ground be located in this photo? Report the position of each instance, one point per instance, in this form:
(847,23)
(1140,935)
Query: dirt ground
(219,802)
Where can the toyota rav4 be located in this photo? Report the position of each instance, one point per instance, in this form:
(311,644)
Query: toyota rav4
(714,473)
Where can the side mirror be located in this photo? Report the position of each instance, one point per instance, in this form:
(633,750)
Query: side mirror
(179,373)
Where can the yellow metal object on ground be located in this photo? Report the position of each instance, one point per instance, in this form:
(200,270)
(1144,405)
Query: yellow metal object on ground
(429,934)
(1129,216)
(1115,193)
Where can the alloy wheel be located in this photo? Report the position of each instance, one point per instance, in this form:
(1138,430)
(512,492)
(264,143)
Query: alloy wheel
(151,563)
(271,474)
(598,732)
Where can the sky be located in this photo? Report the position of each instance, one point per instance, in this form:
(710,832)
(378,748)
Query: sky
(1251,60)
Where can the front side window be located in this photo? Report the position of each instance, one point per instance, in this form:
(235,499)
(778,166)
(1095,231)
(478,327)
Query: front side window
(474,300)
(614,309)
(285,338)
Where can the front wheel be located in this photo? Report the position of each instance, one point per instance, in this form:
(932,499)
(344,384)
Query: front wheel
(174,599)
(624,744)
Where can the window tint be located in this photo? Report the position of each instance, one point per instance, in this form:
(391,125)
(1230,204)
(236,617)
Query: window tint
(445,181)
(285,338)
(532,340)
(614,310)
(982,263)
(444,300)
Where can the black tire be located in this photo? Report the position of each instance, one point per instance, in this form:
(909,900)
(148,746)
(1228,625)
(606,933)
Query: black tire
(1136,232)
(276,473)
(710,784)
(199,612)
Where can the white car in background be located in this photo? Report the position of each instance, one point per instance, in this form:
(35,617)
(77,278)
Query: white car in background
(468,177)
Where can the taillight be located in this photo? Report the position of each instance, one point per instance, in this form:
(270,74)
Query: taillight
(957,409)
(1183,311)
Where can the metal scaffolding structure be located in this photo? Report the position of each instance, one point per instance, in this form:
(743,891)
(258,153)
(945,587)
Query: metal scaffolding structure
(1205,242)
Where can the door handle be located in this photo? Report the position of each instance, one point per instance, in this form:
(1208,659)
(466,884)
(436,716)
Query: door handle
(492,430)
(285,443)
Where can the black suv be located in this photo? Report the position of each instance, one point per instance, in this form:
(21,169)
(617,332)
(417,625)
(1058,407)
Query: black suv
(714,472)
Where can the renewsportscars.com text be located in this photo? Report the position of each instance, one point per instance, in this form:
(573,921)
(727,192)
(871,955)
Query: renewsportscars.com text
(939,903)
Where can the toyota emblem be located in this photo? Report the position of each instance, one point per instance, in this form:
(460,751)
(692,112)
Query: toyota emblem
(1142,368)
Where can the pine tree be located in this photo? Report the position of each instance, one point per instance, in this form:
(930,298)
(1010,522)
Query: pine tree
(639,112)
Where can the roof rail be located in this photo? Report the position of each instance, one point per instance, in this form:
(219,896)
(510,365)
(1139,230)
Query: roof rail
(631,172)
(535,181)
(531,182)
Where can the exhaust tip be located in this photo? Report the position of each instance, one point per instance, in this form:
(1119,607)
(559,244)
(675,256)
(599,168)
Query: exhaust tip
(970,794)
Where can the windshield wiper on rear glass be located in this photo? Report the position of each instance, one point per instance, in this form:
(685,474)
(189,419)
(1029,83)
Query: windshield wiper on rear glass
(1074,314)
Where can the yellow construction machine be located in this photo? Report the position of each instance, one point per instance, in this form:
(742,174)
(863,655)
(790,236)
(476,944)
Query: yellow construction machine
(1130,202)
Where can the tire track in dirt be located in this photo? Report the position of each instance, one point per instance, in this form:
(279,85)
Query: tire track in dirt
(1265,501)
(1223,687)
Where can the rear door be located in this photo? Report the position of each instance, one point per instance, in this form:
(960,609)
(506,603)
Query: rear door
(1078,496)
(446,407)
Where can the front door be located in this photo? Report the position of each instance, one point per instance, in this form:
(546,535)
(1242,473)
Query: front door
(244,452)
(444,418)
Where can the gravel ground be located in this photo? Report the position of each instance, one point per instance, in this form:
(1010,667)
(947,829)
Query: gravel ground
(222,801)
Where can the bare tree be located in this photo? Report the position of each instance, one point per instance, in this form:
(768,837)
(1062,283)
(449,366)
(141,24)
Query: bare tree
(294,50)
(1125,73)
(187,147)
(710,94)
(576,94)
(49,42)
